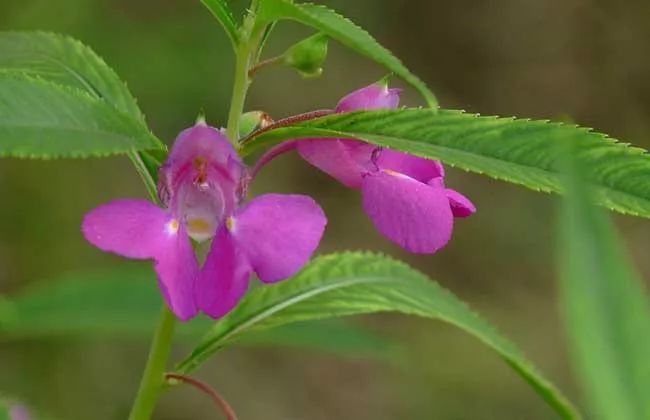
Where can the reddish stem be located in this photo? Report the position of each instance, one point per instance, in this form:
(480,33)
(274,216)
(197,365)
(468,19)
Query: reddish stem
(265,63)
(288,121)
(205,388)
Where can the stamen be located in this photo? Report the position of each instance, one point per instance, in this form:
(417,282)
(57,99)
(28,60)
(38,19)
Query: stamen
(201,165)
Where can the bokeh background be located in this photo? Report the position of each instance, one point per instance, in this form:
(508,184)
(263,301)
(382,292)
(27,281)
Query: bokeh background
(578,60)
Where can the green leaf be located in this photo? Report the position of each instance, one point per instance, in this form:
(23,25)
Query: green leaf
(356,283)
(125,303)
(221,11)
(65,61)
(606,309)
(40,119)
(122,302)
(523,152)
(330,336)
(346,32)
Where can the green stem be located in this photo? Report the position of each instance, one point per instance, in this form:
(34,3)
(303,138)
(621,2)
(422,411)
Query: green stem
(153,378)
(245,56)
(239,89)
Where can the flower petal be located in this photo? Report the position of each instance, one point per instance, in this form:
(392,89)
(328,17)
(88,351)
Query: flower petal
(416,167)
(375,96)
(278,233)
(348,160)
(461,206)
(344,160)
(412,214)
(201,140)
(139,229)
(131,228)
(224,278)
(177,270)
(201,155)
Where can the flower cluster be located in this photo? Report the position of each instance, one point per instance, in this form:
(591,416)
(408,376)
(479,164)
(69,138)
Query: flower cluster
(202,187)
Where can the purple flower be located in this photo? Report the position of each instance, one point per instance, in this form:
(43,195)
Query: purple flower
(404,195)
(19,412)
(201,186)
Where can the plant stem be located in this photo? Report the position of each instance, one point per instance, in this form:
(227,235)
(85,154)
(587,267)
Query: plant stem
(265,63)
(153,377)
(207,389)
(239,89)
(246,52)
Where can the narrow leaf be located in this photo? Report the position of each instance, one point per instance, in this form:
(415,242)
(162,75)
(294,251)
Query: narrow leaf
(125,303)
(356,283)
(43,120)
(606,309)
(523,152)
(347,33)
(64,60)
(221,11)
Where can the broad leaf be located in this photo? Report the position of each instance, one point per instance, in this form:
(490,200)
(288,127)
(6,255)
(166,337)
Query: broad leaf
(44,120)
(346,32)
(606,308)
(357,283)
(221,11)
(66,61)
(125,303)
(524,152)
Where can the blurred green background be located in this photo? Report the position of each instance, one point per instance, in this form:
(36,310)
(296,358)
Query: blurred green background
(578,60)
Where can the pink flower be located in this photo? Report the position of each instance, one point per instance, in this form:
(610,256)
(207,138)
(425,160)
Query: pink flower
(201,186)
(19,412)
(404,195)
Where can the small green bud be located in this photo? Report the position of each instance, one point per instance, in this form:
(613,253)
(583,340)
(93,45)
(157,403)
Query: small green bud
(308,55)
(253,120)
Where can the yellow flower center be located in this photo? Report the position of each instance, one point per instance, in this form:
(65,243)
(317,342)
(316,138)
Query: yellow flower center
(200,229)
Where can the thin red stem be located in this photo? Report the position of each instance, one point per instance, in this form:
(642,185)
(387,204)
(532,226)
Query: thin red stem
(264,63)
(288,121)
(207,389)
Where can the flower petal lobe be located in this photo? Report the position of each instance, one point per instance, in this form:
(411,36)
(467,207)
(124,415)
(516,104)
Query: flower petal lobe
(412,214)
(279,233)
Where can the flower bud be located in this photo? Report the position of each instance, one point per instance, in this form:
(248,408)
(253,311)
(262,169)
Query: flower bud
(308,55)
(253,120)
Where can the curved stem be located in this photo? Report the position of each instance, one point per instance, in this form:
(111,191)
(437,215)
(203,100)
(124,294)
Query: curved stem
(264,63)
(207,389)
(153,377)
